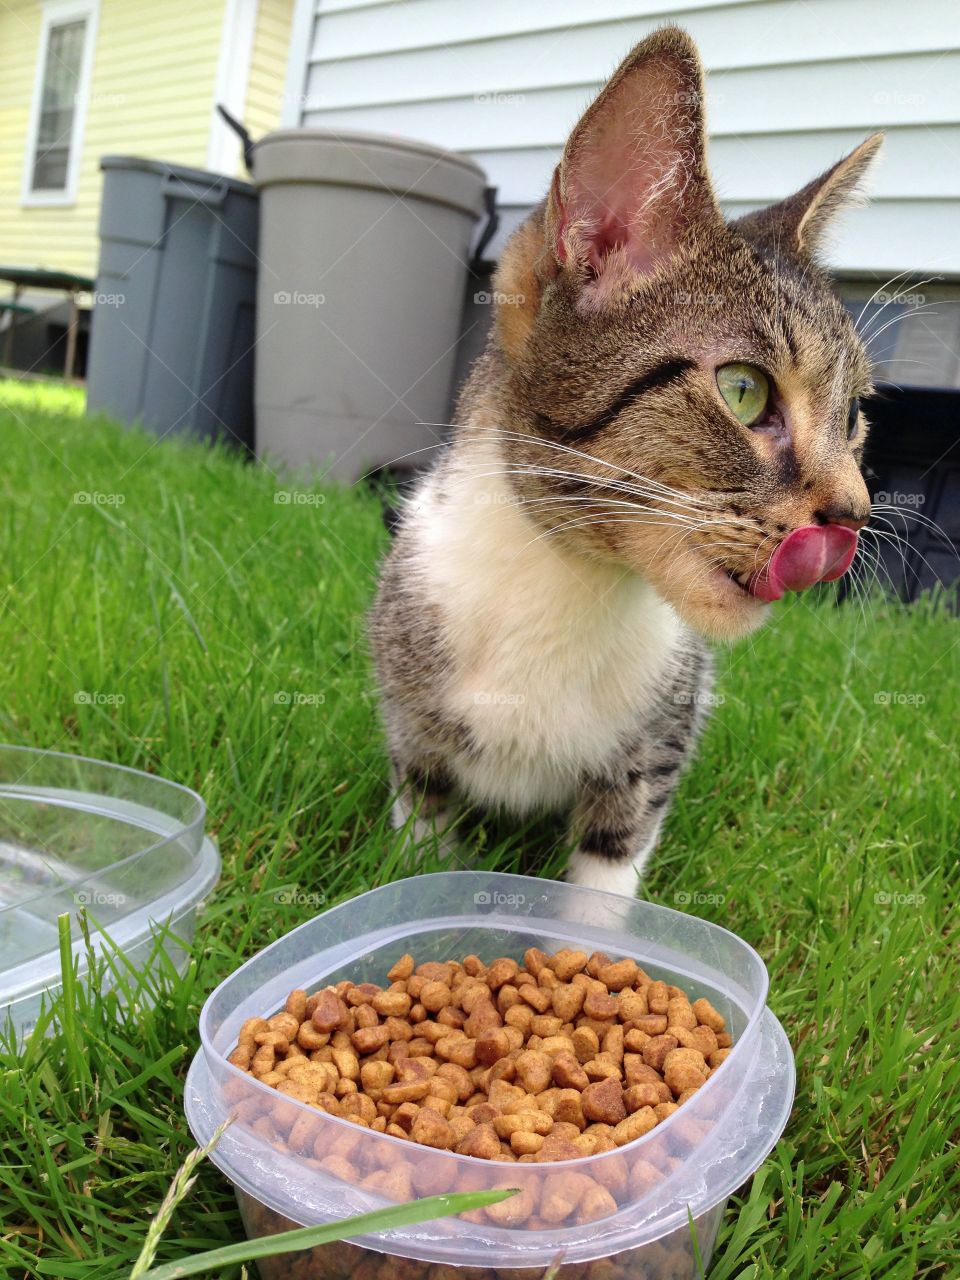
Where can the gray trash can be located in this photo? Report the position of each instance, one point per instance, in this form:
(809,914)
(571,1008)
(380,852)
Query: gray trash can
(364,244)
(173,325)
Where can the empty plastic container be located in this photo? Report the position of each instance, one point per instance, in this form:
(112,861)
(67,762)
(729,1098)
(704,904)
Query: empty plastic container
(173,328)
(364,259)
(77,834)
(688,1166)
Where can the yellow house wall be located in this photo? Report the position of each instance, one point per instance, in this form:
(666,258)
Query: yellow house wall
(268,68)
(151,94)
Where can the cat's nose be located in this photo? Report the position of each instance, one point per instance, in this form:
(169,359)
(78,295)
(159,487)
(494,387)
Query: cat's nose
(842,515)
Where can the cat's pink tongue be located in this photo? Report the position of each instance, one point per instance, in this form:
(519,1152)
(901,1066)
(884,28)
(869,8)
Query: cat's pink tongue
(815,553)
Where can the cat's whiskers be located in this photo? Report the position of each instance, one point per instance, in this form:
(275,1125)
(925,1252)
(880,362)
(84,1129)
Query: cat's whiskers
(877,563)
(900,544)
(879,508)
(618,518)
(894,540)
(589,457)
(902,541)
(880,289)
(588,481)
(912,311)
(874,320)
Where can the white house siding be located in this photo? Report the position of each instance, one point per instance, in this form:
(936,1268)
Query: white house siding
(793,84)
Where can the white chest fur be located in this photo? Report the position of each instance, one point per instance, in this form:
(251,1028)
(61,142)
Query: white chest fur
(554,656)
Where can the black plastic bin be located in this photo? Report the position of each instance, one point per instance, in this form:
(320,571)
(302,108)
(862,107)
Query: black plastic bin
(912,463)
(173,327)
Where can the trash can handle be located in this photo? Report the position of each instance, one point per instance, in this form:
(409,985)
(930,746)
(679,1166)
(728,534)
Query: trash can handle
(212,193)
(489,230)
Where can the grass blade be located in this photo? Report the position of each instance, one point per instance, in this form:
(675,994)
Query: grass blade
(401,1215)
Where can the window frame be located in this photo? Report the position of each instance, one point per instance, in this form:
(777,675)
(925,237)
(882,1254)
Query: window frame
(56,14)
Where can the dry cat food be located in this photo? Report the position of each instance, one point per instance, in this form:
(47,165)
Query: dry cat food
(670,1258)
(568,1055)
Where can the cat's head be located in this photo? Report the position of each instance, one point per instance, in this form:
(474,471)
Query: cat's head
(682,392)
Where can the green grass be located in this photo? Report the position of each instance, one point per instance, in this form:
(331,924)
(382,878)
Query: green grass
(820,822)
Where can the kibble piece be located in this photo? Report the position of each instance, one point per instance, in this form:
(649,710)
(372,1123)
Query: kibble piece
(402,969)
(652,1024)
(535,1070)
(684,1069)
(566,963)
(603,1101)
(707,1014)
(434,995)
(436,971)
(481,1141)
(658,997)
(514,1210)
(395,1004)
(645,1094)
(522,1121)
(635,1126)
(520,1016)
(431,1129)
(680,1013)
(296,1006)
(347,1063)
(655,1050)
(500,972)
(363,1016)
(634,1040)
(632,1005)
(704,1039)
(616,976)
(369,1039)
(586,1043)
(327,1014)
(601,1067)
(458,1049)
(600,1005)
(525,1143)
(568,1073)
(567,1108)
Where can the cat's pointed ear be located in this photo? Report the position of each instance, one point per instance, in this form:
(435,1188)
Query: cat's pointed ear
(633,178)
(799,223)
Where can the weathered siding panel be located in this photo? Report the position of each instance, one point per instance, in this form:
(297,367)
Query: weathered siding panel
(792,86)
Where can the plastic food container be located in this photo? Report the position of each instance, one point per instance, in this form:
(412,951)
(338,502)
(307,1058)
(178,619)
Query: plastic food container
(76,833)
(685,1168)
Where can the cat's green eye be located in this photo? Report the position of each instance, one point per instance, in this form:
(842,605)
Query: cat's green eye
(746,391)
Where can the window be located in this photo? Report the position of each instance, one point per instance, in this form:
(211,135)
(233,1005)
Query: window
(60,95)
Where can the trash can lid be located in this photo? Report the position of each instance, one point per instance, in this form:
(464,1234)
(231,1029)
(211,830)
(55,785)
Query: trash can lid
(375,161)
(165,168)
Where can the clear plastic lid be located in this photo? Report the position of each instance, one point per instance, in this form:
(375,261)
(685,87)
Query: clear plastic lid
(78,833)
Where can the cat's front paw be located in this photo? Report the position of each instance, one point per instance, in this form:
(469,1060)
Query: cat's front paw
(593,872)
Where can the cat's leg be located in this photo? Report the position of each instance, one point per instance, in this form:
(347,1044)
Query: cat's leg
(616,825)
(618,816)
(423,790)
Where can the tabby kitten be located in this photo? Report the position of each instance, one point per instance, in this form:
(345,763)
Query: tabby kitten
(662,437)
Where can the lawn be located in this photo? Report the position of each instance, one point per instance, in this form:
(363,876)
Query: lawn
(222,608)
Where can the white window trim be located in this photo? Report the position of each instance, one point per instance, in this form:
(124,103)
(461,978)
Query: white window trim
(233,77)
(53,15)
